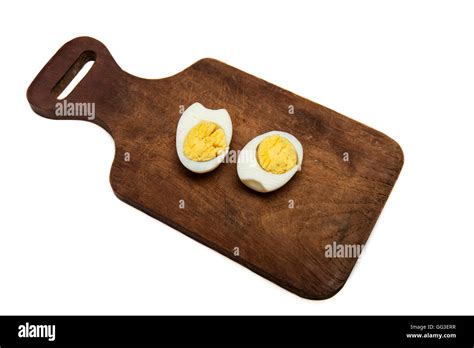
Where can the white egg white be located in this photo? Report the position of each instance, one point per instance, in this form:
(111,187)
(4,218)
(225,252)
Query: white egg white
(190,118)
(254,176)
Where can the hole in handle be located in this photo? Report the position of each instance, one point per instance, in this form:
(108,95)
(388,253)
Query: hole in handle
(74,75)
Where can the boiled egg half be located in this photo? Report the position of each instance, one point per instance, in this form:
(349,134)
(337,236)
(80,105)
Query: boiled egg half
(269,161)
(203,138)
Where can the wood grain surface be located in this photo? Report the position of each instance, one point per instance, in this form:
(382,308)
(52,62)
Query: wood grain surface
(347,173)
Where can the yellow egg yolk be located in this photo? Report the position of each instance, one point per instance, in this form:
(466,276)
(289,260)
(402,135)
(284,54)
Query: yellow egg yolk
(204,142)
(276,154)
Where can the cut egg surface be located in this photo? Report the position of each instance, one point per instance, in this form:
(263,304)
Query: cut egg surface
(203,138)
(269,161)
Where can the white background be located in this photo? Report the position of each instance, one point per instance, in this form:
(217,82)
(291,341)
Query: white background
(406,68)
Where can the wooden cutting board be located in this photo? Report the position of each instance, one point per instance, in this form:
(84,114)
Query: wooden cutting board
(286,236)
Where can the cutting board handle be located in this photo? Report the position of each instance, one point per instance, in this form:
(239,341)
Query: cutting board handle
(43,92)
